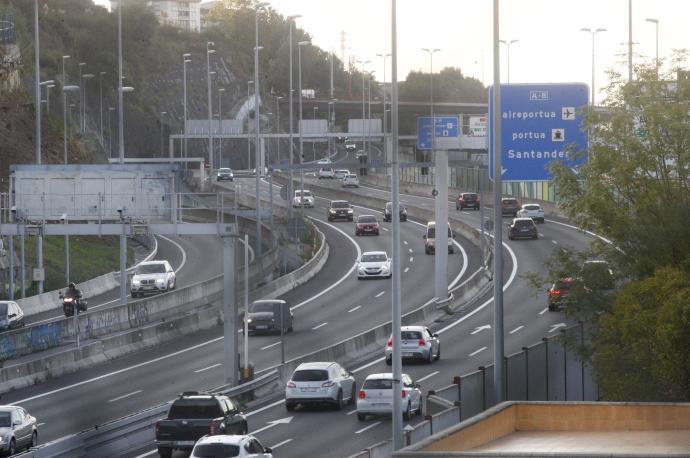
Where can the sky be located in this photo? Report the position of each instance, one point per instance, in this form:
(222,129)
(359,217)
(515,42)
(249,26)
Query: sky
(550,47)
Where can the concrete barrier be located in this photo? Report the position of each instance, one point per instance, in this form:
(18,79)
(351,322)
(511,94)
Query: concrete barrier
(51,300)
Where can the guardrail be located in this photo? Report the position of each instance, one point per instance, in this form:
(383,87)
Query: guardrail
(128,434)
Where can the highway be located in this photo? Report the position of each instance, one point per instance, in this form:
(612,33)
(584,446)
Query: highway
(326,311)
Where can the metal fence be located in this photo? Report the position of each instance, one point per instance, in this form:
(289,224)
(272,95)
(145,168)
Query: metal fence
(8,34)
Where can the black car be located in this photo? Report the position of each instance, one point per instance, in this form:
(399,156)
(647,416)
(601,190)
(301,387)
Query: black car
(523,228)
(265,315)
(194,415)
(340,209)
(388,212)
(467,200)
(510,206)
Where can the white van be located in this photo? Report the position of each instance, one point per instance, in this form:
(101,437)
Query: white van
(430,238)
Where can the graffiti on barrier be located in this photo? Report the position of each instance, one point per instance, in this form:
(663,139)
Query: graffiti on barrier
(138,314)
(102,322)
(45,336)
(7,348)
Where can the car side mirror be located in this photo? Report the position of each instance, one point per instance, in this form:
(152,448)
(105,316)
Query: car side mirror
(11,315)
(417,385)
(268,450)
(424,236)
(435,334)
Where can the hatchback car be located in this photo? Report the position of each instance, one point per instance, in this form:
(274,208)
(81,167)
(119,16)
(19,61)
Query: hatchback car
(374,264)
(324,161)
(388,212)
(265,315)
(376,396)
(350,146)
(326,172)
(467,200)
(367,224)
(350,180)
(18,429)
(416,342)
(430,238)
(341,173)
(320,383)
(303,198)
(340,209)
(153,277)
(230,446)
(533,211)
(11,316)
(509,206)
(523,228)
(224,174)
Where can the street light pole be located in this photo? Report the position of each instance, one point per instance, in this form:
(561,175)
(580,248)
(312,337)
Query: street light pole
(110,133)
(120,108)
(369,74)
(64,107)
(278,98)
(65,90)
(364,138)
(85,77)
(292,131)
(220,127)
(383,87)
(249,142)
(313,144)
(593,32)
(161,125)
(656,58)
(100,75)
(81,97)
(508,43)
(48,88)
(37,87)
(301,139)
(209,51)
(185,60)
(257,126)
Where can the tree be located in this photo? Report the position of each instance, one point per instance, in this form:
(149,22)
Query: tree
(450,85)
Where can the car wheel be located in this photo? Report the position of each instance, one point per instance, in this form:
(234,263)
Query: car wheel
(289,406)
(430,358)
(353,395)
(419,408)
(245,429)
(536,236)
(389,361)
(407,412)
(457,208)
(361,416)
(34,439)
(339,400)
(438,353)
(164,452)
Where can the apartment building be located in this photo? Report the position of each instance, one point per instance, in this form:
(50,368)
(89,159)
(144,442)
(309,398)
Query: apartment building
(184,14)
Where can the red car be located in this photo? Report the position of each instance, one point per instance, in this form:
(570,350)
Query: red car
(467,200)
(367,224)
(558,293)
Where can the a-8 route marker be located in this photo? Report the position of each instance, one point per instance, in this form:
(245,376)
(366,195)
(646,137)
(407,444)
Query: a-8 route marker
(540,123)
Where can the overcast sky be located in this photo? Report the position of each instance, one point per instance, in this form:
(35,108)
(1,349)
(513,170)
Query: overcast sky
(551,47)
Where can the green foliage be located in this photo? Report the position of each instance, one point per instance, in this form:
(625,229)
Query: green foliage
(450,85)
(642,345)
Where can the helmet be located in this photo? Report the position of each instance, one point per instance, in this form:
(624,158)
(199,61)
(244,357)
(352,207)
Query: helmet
(72,285)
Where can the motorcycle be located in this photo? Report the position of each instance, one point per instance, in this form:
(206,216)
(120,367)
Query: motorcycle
(69,303)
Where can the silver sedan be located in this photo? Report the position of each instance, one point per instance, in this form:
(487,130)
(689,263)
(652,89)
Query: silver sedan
(18,429)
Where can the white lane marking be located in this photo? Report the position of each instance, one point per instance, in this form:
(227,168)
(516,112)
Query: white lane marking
(385,229)
(270,346)
(555,242)
(354,309)
(179,247)
(407,269)
(516,329)
(544,311)
(152,452)
(541,236)
(580,230)
(351,412)
(556,326)
(125,396)
(480,329)
(373,425)
(411,258)
(319,326)
(40,424)
(381,294)
(405,242)
(427,376)
(411,250)
(342,279)
(280,444)
(477,351)
(207,368)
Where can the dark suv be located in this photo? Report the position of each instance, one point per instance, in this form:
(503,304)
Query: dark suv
(467,200)
(510,206)
(388,212)
(340,209)
(523,228)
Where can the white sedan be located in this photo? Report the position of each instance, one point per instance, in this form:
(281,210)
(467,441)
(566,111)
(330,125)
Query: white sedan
(374,264)
(533,211)
(376,396)
(350,180)
(303,198)
(226,445)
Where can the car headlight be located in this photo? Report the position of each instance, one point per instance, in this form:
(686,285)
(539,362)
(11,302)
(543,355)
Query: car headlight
(349,211)
(160,280)
(331,211)
(136,281)
(249,320)
(361,269)
(2,440)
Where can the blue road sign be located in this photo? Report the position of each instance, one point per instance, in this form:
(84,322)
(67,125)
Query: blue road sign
(540,123)
(446,128)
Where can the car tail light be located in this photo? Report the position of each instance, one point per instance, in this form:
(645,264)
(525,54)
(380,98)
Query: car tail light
(158,427)
(390,343)
(403,393)
(362,394)
(291,384)
(328,383)
(212,427)
(555,292)
(422,342)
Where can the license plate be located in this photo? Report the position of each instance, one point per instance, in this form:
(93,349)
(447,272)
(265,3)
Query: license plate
(407,354)
(261,326)
(308,390)
(185,443)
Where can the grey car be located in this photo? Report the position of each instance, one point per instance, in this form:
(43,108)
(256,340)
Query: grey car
(11,316)
(416,342)
(18,429)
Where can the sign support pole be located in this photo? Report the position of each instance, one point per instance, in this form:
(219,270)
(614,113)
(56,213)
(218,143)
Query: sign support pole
(230,356)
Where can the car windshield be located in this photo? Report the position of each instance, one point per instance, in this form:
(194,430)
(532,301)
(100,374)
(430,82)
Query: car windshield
(531,207)
(469,196)
(259,307)
(5,419)
(366,219)
(431,233)
(410,335)
(509,202)
(378,384)
(216,451)
(151,269)
(303,193)
(195,408)
(344,172)
(310,375)
(524,223)
(351,176)
(340,205)
(374,257)
(3,309)
(224,170)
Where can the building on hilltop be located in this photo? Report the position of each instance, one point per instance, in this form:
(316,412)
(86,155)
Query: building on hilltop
(184,14)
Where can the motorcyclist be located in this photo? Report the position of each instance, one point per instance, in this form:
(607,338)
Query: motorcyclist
(72,291)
